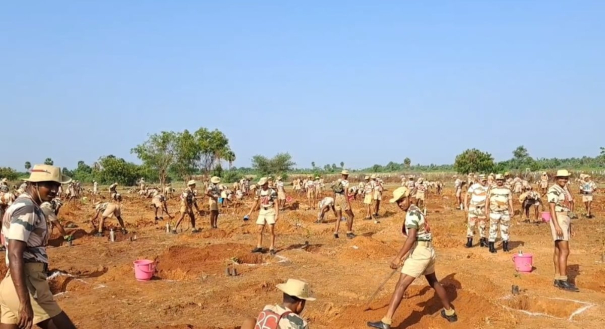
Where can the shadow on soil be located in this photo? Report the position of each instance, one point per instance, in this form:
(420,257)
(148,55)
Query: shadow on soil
(432,305)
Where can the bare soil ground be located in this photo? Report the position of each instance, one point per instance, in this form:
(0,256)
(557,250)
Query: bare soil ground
(191,288)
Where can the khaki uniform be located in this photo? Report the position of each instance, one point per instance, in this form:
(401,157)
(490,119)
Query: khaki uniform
(421,260)
(587,188)
(25,221)
(266,214)
(499,213)
(215,190)
(367,191)
(557,195)
(341,201)
(187,201)
(476,209)
(281,192)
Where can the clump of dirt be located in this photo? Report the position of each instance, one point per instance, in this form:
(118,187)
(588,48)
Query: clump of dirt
(182,262)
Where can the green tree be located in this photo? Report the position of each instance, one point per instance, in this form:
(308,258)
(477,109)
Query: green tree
(407,162)
(342,164)
(473,160)
(117,170)
(278,165)
(8,173)
(28,165)
(187,152)
(49,161)
(210,146)
(313,164)
(158,153)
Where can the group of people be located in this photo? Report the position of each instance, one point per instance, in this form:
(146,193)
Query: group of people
(29,218)
(493,201)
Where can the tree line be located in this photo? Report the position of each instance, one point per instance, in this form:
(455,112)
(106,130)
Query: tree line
(168,156)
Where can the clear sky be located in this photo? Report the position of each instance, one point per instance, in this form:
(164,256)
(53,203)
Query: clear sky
(362,82)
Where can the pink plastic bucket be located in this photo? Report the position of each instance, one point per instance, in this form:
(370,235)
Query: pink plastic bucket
(546,216)
(144,269)
(524,263)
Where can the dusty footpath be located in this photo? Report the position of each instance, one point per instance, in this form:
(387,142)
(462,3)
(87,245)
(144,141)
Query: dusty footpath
(191,288)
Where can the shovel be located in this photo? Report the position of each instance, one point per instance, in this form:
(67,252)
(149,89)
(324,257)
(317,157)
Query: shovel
(379,288)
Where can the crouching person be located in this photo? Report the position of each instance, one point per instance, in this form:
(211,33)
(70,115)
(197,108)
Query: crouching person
(286,315)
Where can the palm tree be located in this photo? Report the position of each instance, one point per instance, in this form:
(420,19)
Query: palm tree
(28,165)
(342,164)
(229,156)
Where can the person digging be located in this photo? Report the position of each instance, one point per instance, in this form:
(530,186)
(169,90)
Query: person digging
(159,203)
(420,259)
(109,210)
(188,201)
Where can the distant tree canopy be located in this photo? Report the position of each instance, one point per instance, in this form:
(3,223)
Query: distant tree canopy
(8,173)
(280,164)
(474,161)
(49,162)
(184,153)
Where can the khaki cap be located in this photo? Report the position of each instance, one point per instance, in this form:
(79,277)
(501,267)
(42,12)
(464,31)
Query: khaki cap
(482,177)
(278,179)
(344,172)
(215,180)
(263,181)
(296,288)
(367,177)
(46,173)
(4,180)
(399,193)
(191,182)
(373,177)
(563,173)
(499,177)
(586,176)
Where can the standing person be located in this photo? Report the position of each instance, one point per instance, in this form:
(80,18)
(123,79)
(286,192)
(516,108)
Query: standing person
(528,199)
(324,206)
(500,212)
(342,202)
(377,194)
(310,187)
(25,296)
(281,193)
(420,192)
(367,198)
(560,227)
(459,188)
(213,192)
(95,187)
(476,210)
(544,183)
(418,258)
(187,203)
(268,214)
(318,188)
(587,188)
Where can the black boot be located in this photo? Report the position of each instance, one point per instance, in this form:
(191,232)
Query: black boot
(469,242)
(505,246)
(492,249)
(483,242)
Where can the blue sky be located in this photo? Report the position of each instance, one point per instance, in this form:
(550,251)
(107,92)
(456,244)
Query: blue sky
(362,82)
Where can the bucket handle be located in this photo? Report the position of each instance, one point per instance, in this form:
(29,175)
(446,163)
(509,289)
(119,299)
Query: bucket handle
(155,268)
